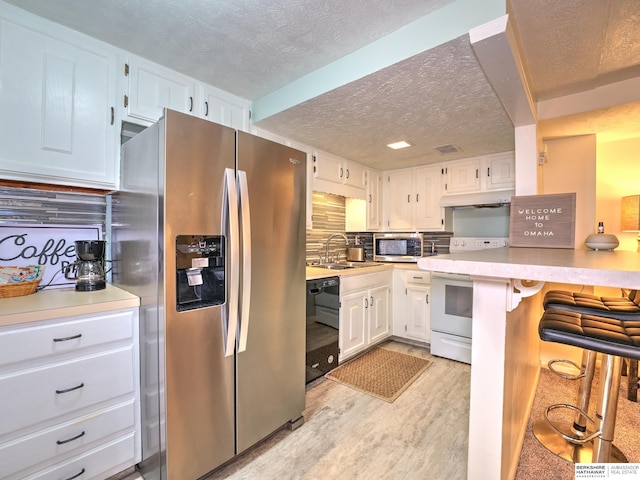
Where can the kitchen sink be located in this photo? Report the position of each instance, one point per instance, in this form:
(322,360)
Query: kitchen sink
(346,265)
(334,266)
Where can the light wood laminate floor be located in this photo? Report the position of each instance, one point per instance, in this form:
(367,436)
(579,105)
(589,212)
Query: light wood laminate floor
(351,435)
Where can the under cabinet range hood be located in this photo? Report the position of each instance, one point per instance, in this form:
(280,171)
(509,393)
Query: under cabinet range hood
(480,199)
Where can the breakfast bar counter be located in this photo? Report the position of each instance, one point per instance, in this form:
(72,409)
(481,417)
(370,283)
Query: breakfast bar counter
(505,344)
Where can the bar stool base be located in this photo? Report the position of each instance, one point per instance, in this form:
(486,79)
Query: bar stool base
(571,452)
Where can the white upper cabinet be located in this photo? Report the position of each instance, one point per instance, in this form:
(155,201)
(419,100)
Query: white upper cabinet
(427,212)
(223,108)
(332,174)
(399,190)
(328,167)
(412,199)
(374,200)
(462,176)
(499,171)
(355,175)
(479,174)
(58,90)
(152,87)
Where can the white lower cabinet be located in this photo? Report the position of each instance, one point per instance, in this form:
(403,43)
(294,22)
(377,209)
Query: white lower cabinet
(365,305)
(70,403)
(412,304)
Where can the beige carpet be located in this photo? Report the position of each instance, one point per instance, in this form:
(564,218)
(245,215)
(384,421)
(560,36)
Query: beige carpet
(536,462)
(379,372)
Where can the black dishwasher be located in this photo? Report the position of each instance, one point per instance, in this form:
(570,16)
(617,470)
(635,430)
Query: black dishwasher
(323,305)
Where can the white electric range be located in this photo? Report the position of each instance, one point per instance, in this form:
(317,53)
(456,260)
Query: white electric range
(452,303)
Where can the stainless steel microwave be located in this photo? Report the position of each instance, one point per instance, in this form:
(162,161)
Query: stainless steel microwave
(397,247)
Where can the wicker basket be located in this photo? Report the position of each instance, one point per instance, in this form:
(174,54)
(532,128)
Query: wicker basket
(18,289)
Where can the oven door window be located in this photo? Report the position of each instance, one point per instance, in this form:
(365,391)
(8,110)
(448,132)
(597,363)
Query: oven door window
(458,301)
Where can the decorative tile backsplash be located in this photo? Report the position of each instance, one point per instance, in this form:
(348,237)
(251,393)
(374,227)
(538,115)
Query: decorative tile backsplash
(328,217)
(24,205)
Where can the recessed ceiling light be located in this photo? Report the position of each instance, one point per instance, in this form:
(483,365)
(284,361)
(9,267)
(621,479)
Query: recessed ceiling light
(399,145)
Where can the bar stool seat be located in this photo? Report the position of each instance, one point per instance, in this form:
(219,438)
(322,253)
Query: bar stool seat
(615,338)
(622,308)
(606,335)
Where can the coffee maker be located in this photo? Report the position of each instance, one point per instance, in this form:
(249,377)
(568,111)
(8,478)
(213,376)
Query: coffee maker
(89,269)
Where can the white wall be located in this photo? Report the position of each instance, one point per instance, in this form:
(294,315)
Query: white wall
(571,167)
(618,175)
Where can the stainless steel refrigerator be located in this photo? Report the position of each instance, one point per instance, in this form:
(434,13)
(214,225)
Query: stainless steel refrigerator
(209,230)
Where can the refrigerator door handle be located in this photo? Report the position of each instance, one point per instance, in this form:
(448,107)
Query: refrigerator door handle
(245,217)
(233,236)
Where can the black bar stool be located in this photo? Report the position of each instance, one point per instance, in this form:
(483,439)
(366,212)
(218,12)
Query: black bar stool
(615,339)
(626,307)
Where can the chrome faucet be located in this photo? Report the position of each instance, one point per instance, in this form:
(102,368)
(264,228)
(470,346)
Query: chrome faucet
(329,241)
(433,247)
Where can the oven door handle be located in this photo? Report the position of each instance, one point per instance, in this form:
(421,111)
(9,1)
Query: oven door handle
(450,276)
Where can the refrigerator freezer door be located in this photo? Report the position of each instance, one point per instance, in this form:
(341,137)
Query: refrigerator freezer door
(270,372)
(199,377)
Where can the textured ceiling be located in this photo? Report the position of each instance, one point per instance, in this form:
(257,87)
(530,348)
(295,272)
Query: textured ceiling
(245,47)
(252,47)
(576,45)
(611,124)
(436,98)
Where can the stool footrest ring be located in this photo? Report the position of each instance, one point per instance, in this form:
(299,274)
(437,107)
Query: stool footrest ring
(566,376)
(569,438)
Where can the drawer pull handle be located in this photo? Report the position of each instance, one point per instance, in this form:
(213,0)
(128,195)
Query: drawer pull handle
(66,339)
(67,390)
(76,475)
(62,442)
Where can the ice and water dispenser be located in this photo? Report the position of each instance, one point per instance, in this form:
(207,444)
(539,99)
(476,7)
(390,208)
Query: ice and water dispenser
(200,271)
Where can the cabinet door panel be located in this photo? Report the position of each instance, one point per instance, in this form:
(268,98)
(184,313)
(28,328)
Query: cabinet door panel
(463,176)
(225,111)
(355,175)
(418,324)
(400,204)
(500,171)
(352,324)
(374,200)
(152,88)
(56,109)
(327,167)
(428,214)
(378,314)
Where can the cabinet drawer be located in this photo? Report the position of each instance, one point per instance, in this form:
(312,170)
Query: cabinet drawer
(30,397)
(99,463)
(49,338)
(364,281)
(419,277)
(65,440)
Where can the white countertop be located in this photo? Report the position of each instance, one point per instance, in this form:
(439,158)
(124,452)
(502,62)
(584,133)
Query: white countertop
(63,302)
(313,273)
(619,269)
